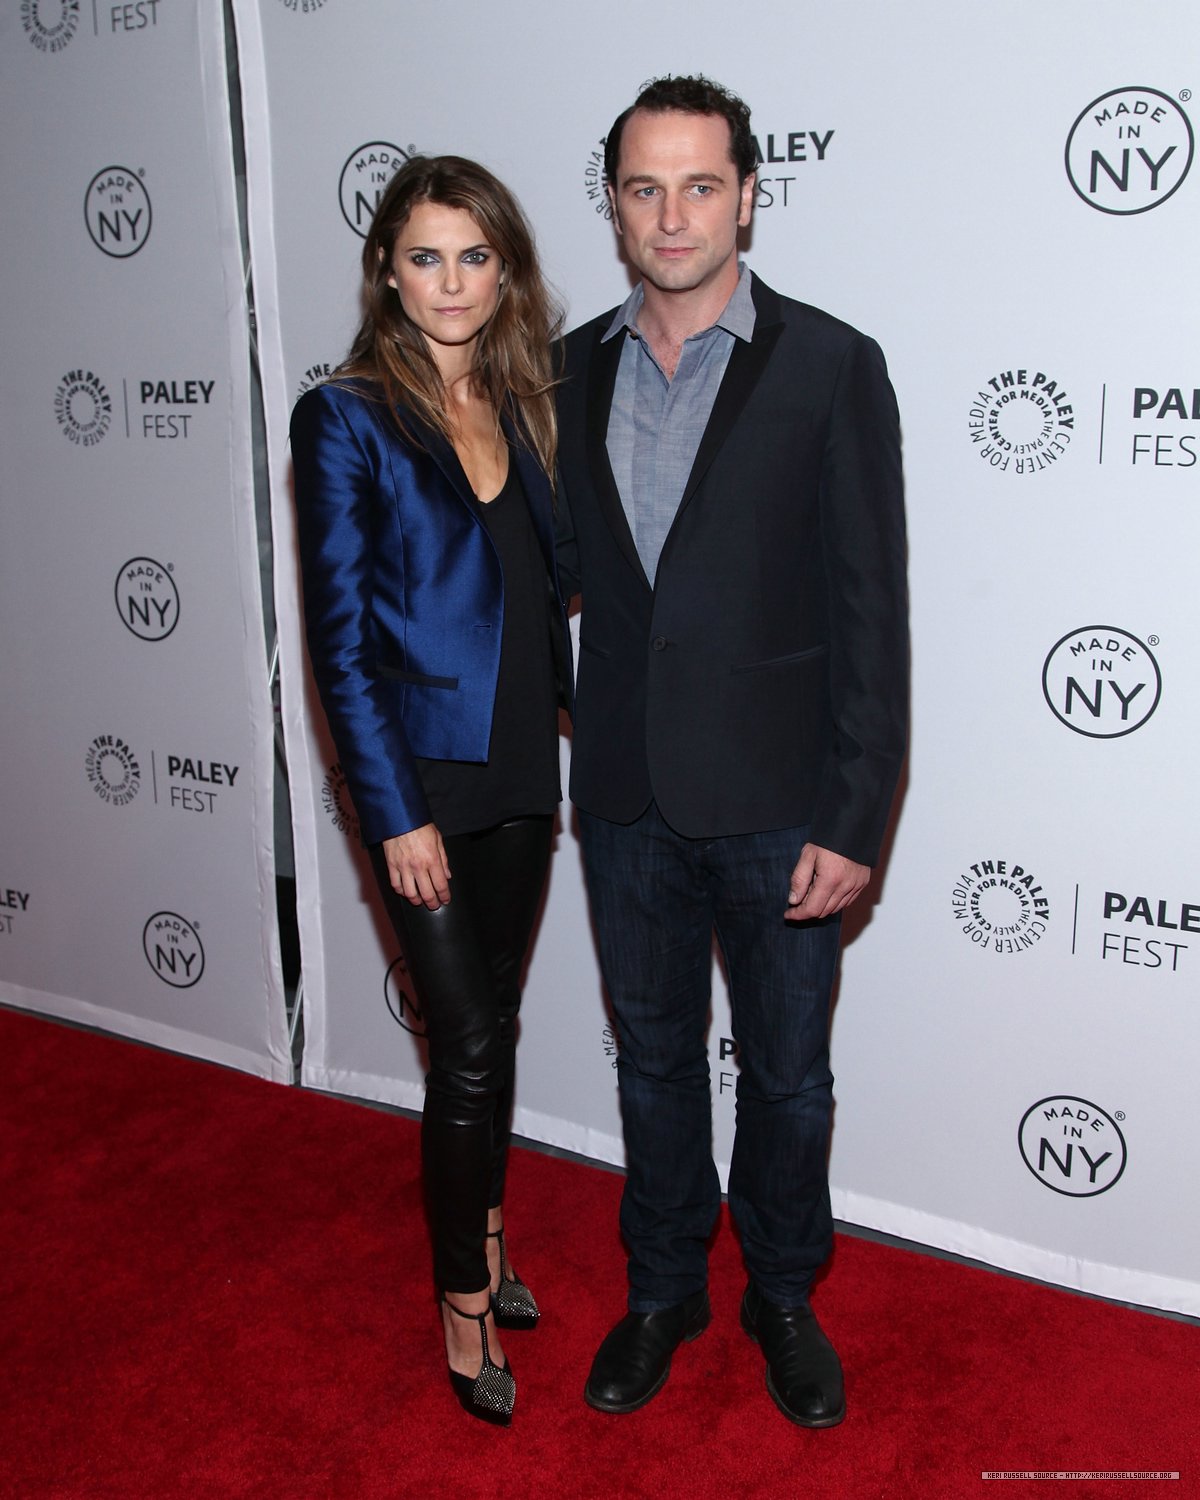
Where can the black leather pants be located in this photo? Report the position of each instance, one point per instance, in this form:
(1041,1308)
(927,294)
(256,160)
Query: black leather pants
(466,960)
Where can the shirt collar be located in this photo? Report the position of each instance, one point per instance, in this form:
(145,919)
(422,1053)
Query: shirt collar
(737,316)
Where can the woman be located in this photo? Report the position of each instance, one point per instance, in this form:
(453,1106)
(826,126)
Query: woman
(439,645)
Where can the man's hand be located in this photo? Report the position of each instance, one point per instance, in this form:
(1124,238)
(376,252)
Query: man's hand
(823,883)
(417,867)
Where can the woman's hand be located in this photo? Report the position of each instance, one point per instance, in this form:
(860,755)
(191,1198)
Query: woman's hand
(417,867)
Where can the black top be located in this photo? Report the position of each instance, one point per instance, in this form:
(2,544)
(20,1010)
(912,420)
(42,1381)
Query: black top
(520,776)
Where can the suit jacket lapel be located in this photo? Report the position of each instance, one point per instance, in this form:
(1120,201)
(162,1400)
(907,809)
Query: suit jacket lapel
(602,380)
(746,365)
(444,456)
(537,490)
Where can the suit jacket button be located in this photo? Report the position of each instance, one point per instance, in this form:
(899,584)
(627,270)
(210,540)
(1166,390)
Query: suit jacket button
(660,643)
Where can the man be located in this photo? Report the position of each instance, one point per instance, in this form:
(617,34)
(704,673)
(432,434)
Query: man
(734,522)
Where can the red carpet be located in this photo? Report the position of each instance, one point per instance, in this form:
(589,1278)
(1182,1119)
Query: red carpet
(214,1286)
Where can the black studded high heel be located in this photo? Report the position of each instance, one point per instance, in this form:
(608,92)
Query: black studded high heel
(492,1393)
(512,1301)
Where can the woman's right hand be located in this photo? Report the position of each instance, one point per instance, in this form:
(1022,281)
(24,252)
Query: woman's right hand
(417,867)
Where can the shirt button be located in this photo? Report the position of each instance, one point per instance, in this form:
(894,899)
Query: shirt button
(660,643)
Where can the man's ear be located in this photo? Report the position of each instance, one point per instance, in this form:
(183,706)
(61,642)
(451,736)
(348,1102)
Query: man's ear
(612,203)
(746,206)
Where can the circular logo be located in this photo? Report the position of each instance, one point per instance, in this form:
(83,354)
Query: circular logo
(147,599)
(116,207)
(1000,906)
(335,799)
(1072,1146)
(1129,150)
(1102,682)
(314,375)
(82,408)
(49,24)
(1021,421)
(364,177)
(113,770)
(173,949)
(595,181)
(402,999)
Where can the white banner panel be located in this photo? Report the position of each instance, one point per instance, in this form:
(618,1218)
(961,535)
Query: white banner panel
(136,880)
(1011,211)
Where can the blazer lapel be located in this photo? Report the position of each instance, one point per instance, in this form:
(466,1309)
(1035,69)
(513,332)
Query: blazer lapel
(444,456)
(537,490)
(602,380)
(746,365)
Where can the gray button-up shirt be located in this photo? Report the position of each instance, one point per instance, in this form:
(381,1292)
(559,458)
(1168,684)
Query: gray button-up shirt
(655,425)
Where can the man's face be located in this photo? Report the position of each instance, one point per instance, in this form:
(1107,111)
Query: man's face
(676,201)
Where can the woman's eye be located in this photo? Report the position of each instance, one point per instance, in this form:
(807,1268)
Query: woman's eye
(423,258)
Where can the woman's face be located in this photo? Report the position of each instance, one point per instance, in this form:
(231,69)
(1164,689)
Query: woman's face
(447,275)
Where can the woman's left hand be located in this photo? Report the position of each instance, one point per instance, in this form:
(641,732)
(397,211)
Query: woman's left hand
(418,868)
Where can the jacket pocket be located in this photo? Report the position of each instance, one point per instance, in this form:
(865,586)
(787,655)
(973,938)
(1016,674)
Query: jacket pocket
(585,645)
(781,661)
(418,679)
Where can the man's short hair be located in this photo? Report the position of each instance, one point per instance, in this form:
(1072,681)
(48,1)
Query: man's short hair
(691,95)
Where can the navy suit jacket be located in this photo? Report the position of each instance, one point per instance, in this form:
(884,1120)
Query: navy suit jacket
(762,681)
(403,596)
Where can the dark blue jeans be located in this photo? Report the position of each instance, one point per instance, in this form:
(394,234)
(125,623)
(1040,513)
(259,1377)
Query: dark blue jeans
(656,898)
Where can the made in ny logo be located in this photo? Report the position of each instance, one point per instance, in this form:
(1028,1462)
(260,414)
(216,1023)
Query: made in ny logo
(49,25)
(364,181)
(173,949)
(1130,150)
(1102,682)
(147,599)
(1021,421)
(401,997)
(1072,1146)
(116,209)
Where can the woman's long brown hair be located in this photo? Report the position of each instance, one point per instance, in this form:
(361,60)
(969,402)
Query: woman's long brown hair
(513,351)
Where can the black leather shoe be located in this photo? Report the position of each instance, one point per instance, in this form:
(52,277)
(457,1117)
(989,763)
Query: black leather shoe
(633,1362)
(804,1374)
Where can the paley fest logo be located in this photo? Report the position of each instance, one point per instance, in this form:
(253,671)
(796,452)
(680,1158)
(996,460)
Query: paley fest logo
(773,188)
(82,408)
(315,375)
(364,178)
(335,799)
(156,408)
(401,997)
(1021,421)
(116,208)
(173,949)
(49,24)
(1000,906)
(1072,1146)
(1164,436)
(1130,150)
(147,599)
(1101,681)
(13,901)
(112,770)
(1130,927)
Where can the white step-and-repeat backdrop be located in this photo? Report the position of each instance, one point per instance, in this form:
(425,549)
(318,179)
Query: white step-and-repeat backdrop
(1006,199)
(136,881)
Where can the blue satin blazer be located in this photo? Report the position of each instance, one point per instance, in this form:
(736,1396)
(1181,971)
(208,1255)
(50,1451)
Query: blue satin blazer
(403,596)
